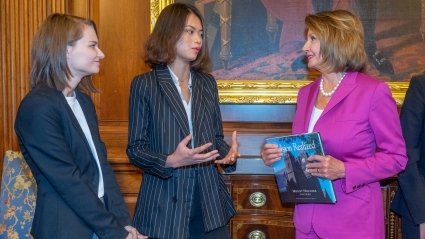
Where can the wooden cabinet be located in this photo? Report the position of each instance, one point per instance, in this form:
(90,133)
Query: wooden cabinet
(261,215)
(392,221)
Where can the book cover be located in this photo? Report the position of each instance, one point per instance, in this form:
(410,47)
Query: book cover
(294,182)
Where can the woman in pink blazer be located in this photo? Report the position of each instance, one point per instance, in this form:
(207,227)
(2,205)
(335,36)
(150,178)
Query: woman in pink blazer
(358,121)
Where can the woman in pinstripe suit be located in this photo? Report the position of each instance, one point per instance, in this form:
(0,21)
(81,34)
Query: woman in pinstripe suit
(176,134)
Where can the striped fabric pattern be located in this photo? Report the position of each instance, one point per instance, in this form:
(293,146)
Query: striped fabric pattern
(157,124)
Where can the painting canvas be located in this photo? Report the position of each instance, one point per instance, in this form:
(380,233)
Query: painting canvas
(263,39)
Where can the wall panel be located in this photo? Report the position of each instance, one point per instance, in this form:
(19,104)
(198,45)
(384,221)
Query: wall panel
(123,29)
(18,22)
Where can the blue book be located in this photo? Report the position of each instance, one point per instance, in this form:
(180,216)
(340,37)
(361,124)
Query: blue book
(296,185)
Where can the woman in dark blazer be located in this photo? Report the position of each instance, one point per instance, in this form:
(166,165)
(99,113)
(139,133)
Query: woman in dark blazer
(176,135)
(77,194)
(409,201)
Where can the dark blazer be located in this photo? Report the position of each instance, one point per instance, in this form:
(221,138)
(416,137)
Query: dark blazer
(409,201)
(158,123)
(66,172)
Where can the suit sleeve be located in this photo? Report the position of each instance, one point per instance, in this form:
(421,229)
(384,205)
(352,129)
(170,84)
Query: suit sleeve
(390,153)
(113,197)
(139,143)
(40,130)
(412,181)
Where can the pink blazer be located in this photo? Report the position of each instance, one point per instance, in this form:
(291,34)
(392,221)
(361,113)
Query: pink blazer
(359,126)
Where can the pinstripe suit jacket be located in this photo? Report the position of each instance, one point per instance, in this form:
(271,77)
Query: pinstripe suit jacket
(157,124)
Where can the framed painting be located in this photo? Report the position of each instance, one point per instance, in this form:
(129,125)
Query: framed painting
(256,45)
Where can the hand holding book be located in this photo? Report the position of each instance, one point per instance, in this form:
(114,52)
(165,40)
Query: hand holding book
(289,156)
(271,153)
(326,167)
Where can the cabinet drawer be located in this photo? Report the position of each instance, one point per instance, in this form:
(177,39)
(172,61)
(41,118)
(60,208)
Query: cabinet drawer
(259,200)
(262,229)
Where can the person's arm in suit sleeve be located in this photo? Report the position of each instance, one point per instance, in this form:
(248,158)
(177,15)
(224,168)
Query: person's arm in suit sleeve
(113,197)
(40,130)
(390,153)
(412,181)
(138,149)
(222,146)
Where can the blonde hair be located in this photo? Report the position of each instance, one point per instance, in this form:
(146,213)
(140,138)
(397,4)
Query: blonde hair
(341,37)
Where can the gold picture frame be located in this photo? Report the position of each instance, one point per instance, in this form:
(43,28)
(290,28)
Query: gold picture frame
(264,91)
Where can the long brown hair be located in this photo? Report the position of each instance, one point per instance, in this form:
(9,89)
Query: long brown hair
(160,47)
(341,37)
(48,52)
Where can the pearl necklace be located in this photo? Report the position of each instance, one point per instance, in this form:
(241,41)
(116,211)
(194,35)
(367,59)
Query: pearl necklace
(328,94)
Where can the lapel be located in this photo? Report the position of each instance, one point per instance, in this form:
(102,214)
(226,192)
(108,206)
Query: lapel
(91,120)
(197,99)
(311,101)
(172,97)
(345,88)
(74,121)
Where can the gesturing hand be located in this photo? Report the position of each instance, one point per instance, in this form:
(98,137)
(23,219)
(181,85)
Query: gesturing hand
(233,154)
(183,155)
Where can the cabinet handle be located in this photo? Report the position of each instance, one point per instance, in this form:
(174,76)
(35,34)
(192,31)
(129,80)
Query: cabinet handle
(257,234)
(257,199)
